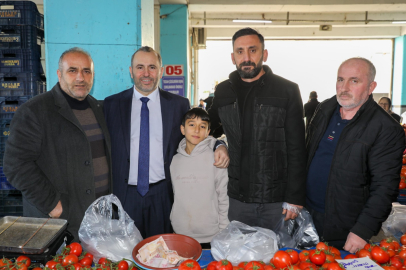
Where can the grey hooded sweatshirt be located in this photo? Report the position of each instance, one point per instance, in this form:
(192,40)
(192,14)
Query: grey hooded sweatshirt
(200,208)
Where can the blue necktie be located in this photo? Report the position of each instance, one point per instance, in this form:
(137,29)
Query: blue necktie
(143,155)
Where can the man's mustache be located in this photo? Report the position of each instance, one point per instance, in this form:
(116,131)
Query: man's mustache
(247,64)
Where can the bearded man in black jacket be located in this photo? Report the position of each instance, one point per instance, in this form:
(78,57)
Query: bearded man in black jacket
(261,114)
(355,157)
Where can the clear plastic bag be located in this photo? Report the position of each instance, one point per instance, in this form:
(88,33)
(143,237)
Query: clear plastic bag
(298,233)
(104,236)
(239,242)
(395,224)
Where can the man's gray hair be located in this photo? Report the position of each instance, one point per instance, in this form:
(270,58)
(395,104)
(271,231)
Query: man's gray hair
(371,67)
(72,50)
(147,49)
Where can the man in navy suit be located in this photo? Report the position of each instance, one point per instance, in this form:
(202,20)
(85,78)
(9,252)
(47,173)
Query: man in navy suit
(149,205)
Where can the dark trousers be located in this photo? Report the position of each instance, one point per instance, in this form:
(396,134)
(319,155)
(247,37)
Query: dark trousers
(151,212)
(318,220)
(265,215)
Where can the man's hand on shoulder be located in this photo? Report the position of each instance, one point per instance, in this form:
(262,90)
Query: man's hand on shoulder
(354,243)
(221,158)
(57,211)
(292,212)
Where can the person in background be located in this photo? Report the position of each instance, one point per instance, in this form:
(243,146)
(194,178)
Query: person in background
(310,107)
(201,203)
(262,117)
(58,151)
(386,104)
(355,157)
(144,122)
(201,104)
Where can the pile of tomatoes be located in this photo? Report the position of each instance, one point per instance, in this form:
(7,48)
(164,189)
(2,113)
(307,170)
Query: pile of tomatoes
(388,254)
(402,183)
(72,258)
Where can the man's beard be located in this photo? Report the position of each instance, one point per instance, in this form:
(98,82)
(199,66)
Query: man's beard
(252,73)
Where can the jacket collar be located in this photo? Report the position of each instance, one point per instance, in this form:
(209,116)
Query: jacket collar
(328,107)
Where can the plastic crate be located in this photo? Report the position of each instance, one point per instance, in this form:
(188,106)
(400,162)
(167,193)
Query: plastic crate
(21,60)
(21,84)
(20,12)
(11,203)
(20,37)
(9,105)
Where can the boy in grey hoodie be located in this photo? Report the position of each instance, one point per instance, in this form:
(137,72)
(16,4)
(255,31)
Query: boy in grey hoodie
(200,208)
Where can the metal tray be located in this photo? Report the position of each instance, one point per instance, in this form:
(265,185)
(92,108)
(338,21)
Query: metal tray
(13,236)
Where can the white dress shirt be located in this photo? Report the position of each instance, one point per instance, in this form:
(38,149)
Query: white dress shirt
(156,158)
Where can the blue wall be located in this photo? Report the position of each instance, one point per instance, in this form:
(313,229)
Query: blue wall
(109,31)
(174,35)
(399,74)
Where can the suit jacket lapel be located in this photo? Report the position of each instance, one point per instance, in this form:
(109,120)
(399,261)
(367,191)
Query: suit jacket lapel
(125,113)
(167,115)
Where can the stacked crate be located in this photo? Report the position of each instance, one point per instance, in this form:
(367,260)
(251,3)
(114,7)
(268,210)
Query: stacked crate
(21,78)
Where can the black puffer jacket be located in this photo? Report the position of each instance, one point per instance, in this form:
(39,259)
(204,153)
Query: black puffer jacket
(266,145)
(365,170)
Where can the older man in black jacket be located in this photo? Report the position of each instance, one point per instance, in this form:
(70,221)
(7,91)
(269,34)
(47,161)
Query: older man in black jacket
(261,114)
(58,152)
(355,156)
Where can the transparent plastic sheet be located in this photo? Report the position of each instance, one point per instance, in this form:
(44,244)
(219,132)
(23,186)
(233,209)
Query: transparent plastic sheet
(239,242)
(299,233)
(291,208)
(395,224)
(104,236)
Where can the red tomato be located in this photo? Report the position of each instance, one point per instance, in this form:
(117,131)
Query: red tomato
(37,268)
(363,253)
(122,265)
(334,250)
(303,255)
(224,265)
(76,266)
(294,267)
(90,255)
(403,239)
(402,185)
(305,264)
(254,265)
(396,261)
(51,264)
(350,256)
(379,255)
(75,248)
(104,261)
(192,265)
(212,265)
(4,262)
(19,266)
(317,257)
(282,259)
(402,254)
(24,259)
(322,246)
(241,264)
(70,259)
(335,266)
(237,268)
(330,258)
(404,159)
(389,267)
(268,267)
(293,255)
(86,261)
(403,171)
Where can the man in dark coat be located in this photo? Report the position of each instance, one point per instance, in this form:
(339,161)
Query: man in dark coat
(58,151)
(262,117)
(355,157)
(310,107)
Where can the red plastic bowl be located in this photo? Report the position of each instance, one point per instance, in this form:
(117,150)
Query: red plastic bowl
(186,247)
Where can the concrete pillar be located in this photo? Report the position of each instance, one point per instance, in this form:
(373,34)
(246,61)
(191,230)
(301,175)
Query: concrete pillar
(174,44)
(109,31)
(399,75)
